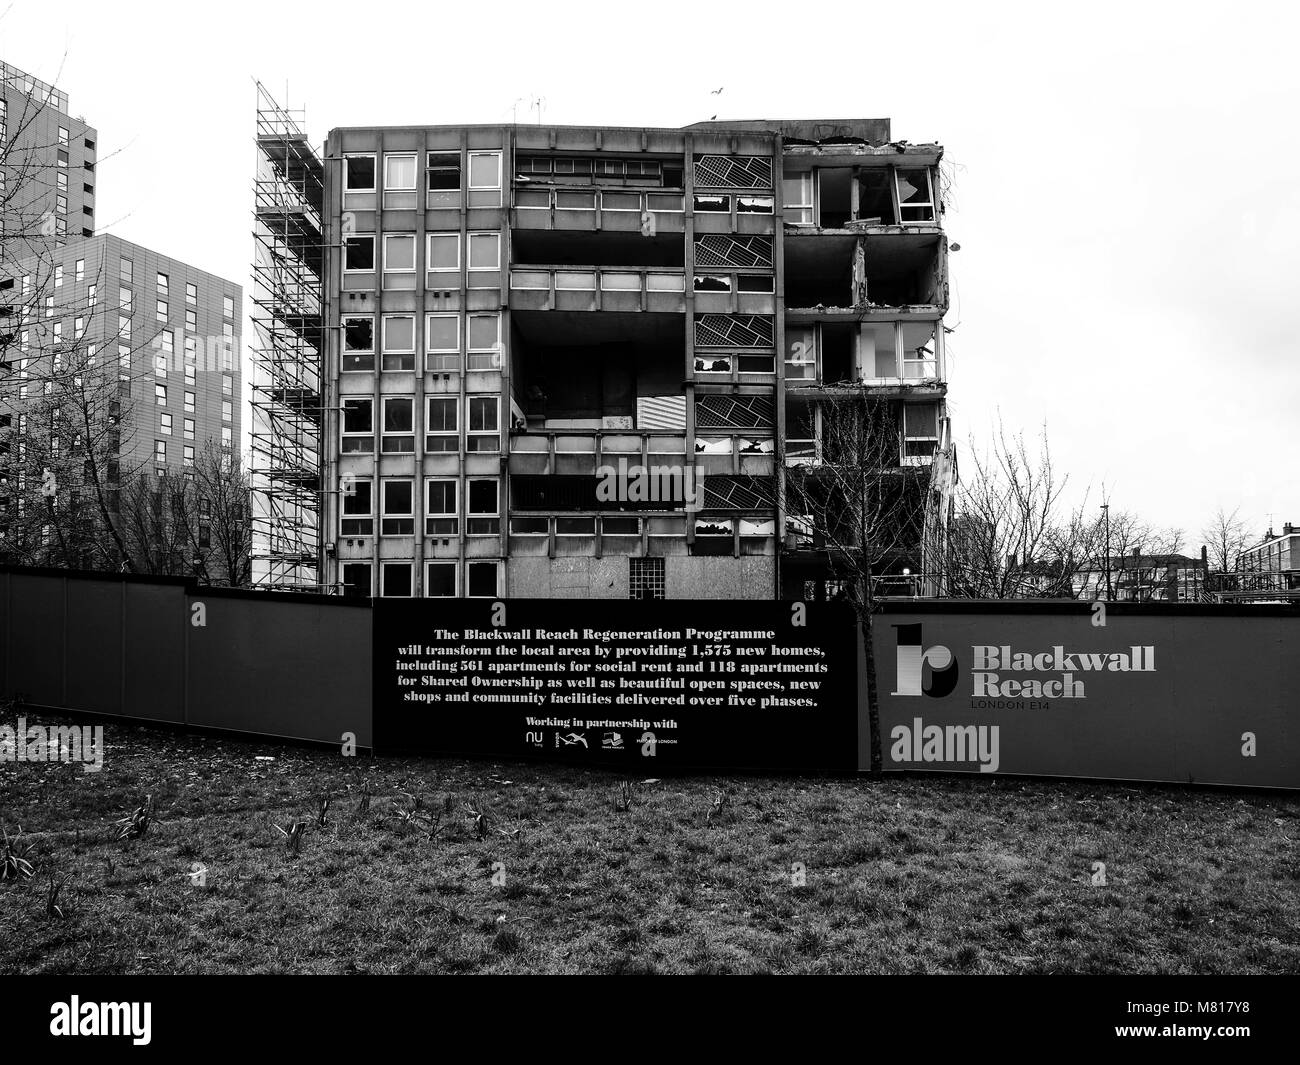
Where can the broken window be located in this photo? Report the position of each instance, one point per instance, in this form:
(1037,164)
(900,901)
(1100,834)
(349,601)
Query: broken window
(358,342)
(833,196)
(359,173)
(358,426)
(800,430)
(878,350)
(920,359)
(709,203)
(399,426)
(357,518)
(875,198)
(754,204)
(356,579)
(797,193)
(915,198)
(836,351)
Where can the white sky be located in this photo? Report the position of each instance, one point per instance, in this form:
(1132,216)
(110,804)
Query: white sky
(1127,199)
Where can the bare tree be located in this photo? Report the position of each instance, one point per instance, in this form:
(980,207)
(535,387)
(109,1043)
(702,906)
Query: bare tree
(1225,538)
(1013,535)
(862,508)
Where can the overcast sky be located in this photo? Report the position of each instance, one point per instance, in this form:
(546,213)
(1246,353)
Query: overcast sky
(1127,194)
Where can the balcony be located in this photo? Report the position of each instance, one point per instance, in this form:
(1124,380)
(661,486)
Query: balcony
(623,289)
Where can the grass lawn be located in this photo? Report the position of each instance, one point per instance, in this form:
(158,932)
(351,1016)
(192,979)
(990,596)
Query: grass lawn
(921,874)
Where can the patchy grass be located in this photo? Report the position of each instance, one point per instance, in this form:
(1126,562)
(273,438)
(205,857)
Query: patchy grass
(693,875)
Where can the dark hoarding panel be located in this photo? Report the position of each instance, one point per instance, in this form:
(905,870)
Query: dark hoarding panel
(1073,692)
(645,684)
(284,667)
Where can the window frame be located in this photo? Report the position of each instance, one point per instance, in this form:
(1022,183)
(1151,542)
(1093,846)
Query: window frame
(374,171)
(448,517)
(398,435)
(405,519)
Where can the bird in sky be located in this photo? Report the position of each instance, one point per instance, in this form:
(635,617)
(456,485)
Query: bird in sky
(716,91)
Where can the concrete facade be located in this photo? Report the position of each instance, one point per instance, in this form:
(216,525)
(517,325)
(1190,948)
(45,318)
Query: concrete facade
(514,313)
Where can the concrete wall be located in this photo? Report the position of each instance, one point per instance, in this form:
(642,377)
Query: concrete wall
(685,577)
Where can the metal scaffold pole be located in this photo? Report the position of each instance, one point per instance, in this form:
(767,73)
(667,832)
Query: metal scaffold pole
(288,328)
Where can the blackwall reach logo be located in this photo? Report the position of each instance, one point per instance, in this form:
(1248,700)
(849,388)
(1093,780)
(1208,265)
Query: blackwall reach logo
(913,657)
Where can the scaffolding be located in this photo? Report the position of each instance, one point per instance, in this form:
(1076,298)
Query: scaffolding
(288,329)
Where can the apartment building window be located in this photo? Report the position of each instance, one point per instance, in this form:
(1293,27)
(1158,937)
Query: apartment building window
(484,251)
(645,578)
(398,437)
(60,204)
(484,179)
(227,385)
(228,306)
(358,426)
(359,173)
(160,451)
(398,501)
(483,506)
(484,579)
(442,342)
(124,356)
(227,411)
(227,437)
(797,190)
(358,342)
(191,293)
(399,252)
(801,353)
(399,342)
(61,181)
(162,283)
(441,432)
(165,424)
(711,203)
(920,430)
(187,454)
(399,173)
(444,256)
(124,269)
(484,336)
(189,375)
(442,172)
(440,580)
(356,578)
(441,518)
(92,295)
(746,204)
(63,136)
(192,321)
(162,310)
(359,254)
(160,395)
(915,196)
(189,428)
(78,326)
(396,578)
(483,423)
(358,511)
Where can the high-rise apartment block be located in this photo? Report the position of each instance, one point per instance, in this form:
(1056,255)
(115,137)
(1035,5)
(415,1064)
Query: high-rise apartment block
(140,347)
(517,323)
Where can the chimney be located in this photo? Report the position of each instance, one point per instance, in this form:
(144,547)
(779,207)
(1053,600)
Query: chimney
(1288,529)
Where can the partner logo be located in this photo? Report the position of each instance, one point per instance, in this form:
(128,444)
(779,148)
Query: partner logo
(626,483)
(912,660)
(75,1017)
(570,739)
(83,744)
(612,741)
